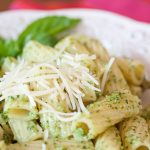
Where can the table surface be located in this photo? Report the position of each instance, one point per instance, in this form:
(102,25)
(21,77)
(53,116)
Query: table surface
(136,9)
(4,4)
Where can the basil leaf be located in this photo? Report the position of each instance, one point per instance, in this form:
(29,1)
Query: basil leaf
(43,38)
(9,48)
(44,30)
(52,25)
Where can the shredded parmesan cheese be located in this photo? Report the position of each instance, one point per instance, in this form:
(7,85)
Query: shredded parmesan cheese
(105,76)
(66,78)
(45,135)
(43,146)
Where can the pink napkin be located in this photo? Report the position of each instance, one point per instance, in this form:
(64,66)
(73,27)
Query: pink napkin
(136,9)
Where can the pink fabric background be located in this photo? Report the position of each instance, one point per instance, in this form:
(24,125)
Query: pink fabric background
(136,9)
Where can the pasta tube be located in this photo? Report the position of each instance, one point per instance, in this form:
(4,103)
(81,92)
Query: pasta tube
(53,144)
(8,64)
(115,81)
(1,133)
(105,113)
(36,52)
(132,70)
(37,145)
(134,134)
(2,145)
(25,131)
(109,140)
(112,78)
(72,45)
(135,90)
(146,114)
(55,127)
(19,107)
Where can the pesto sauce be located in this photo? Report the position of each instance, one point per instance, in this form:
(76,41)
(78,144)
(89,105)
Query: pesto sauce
(113,97)
(79,134)
(4,116)
(32,127)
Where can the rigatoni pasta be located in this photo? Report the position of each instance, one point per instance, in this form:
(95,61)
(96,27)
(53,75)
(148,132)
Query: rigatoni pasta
(135,134)
(25,131)
(105,113)
(53,144)
(145,113)
(55,127)
(136,90)
(27,146)
(1,133)
(41,51)
(2,145)
(133,70)
(109,140)
(19,107)
(115,81)
(112,78)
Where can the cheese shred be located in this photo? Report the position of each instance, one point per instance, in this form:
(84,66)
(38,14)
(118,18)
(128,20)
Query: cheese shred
(64,79)
(105,76)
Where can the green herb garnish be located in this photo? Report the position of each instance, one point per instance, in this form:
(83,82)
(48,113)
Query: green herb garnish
(45,30)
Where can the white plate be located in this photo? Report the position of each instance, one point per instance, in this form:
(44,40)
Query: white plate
(120,35)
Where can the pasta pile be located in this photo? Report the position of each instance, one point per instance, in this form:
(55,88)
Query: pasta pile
(73,96)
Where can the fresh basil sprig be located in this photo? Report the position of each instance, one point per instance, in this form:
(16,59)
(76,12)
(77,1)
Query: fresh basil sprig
(9,48)
(45,30)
